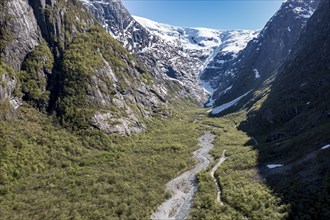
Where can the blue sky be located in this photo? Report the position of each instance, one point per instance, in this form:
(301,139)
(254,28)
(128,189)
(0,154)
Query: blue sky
(218,14)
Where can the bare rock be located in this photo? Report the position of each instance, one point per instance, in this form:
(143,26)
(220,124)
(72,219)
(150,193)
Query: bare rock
(23,30)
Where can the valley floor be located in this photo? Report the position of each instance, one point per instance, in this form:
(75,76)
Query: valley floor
(184,187)
(48,172)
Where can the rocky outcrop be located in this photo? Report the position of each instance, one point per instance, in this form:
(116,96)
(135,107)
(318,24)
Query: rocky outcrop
(117,20)
(8,85)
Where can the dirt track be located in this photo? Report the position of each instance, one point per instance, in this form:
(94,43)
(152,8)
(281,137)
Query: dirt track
(220,161)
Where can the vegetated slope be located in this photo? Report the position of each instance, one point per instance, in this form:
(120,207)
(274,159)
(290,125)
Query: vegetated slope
(47,172)
(291,120)
(174,55)
(56,57)
(262,56)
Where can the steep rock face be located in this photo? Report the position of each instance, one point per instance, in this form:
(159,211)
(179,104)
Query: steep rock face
(122,26)
(21,32)
(264,54)
(19,35)
(73,67)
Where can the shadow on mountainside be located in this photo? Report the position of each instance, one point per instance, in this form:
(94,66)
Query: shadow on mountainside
(292,124)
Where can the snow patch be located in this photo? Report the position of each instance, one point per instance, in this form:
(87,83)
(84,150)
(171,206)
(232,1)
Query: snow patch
(325,147)
(303,12)
(172,79)
(225,106)
(257,74)
(226,90)
(273,166)
(211,101)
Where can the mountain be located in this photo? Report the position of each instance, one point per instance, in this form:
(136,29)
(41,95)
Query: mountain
(56,57)
(135,38)
(263,55)
(200,44)
(106,88)
(290,118)
(191,49)
(174,55)
(294,101)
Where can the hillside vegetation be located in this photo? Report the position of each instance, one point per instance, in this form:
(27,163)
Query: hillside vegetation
(48,172)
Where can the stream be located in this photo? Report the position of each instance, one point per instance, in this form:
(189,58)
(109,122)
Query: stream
(184,187)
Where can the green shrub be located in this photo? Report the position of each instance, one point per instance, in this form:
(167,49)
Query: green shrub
(36,67)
